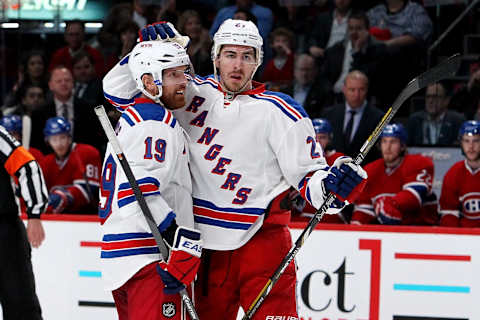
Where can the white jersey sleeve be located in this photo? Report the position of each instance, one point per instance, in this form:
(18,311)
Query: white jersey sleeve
(119,88)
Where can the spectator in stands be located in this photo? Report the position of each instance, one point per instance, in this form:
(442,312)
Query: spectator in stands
(400,23)
(406,29)
(66,105)
(460,198)
(32,71)
(278,72)
(329,28)
(75,38)
(436,125)
(31,97)
(190,24)
(306,88)
(467,99)
(71,171)
(263,14)
(245,14)
(13,124)
(87,85)
(354,120)
(359,51)
(399,186)
(128,38)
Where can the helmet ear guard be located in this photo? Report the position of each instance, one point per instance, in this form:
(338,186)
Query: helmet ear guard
(153,57)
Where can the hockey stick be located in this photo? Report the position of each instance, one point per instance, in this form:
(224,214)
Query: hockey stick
(112,138)
(445,69)
(26,131)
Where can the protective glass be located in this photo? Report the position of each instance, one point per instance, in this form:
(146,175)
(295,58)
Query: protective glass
(172,77)
(244,56)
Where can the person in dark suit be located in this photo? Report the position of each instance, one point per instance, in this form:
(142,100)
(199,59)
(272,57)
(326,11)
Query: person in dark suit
(306,88)
(329,28)
(64,104)
(359,51)
(354,120)
(88,86)
(435,125)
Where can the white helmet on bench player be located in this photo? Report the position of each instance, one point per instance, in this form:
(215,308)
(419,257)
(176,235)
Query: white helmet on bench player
(153,57)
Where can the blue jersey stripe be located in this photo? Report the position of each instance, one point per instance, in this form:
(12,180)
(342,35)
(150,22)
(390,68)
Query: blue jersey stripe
(127,118)
(130,199)
(222,223)
(210,205)
(278,105)
(120,101)
(129,252)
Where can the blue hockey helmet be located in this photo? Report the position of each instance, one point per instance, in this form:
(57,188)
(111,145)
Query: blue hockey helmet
(57,125)
(470,128)
(322,125)
(12,123)
(395,130)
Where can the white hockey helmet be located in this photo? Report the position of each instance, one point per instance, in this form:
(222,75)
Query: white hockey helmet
(153,57)
(238,32)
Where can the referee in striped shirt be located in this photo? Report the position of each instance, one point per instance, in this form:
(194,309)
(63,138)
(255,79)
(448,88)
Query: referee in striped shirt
(21,180)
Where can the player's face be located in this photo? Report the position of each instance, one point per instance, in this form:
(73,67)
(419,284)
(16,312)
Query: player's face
(391,148)
(471,147)
(236,65)
(323,139)
(60,144)
(174,84)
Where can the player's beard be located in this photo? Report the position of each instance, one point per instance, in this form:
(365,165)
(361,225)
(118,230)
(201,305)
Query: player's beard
(240,86)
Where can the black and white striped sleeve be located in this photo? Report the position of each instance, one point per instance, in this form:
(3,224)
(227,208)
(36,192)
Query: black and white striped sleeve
(19,163)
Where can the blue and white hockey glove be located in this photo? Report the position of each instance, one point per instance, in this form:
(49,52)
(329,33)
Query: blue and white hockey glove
(341,179)
(59,199)
(163,30)
(184,259)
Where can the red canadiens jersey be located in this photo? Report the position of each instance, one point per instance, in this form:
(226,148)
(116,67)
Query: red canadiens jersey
(331,156)
(410,184)
(460,198)
(82,164)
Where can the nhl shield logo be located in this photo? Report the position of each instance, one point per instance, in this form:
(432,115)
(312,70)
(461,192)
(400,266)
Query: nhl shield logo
(169,309)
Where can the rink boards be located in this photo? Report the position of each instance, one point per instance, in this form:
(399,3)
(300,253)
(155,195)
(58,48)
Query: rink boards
(345,272)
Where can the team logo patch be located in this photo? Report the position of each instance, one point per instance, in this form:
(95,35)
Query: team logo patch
(169,309)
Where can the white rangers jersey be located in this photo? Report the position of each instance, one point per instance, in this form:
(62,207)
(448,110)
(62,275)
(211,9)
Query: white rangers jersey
(243,153)
(155,146)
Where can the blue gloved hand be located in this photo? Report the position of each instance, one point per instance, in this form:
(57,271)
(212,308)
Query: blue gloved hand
(59,199)
(172,285)
(163,31)
(153,31)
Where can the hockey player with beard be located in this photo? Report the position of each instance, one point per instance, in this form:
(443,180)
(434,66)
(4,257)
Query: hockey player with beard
(143,286)
(247,147)
(399,186)
(460,198)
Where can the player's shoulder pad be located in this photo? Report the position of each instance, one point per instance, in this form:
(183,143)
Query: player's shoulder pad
(145,110)
(284,103)
(205,81)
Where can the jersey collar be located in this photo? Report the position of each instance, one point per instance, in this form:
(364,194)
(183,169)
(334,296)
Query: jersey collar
(257,88)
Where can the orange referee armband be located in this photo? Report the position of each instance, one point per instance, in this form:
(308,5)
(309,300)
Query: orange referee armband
(17,159)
